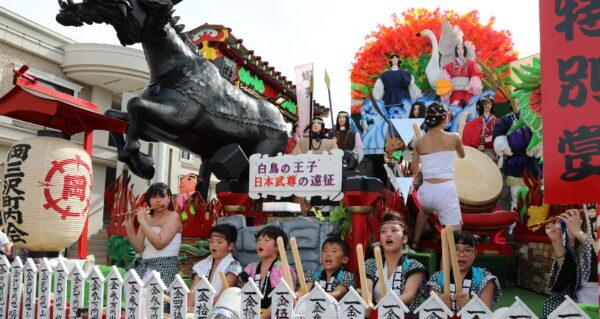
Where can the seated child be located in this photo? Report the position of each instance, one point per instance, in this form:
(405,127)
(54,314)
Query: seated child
(476,281)
(331,276)
(574,271)
(268,272)
(222,240)
(405,276)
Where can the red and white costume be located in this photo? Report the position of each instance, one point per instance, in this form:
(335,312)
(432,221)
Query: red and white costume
(478,134)
(466,80)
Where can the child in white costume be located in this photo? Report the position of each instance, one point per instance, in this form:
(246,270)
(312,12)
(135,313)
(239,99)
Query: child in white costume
(222,241)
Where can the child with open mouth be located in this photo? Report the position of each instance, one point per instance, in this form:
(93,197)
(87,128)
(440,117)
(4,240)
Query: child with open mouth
(476,281)
(222,240)
(405,276)
(331,276)
(268,272)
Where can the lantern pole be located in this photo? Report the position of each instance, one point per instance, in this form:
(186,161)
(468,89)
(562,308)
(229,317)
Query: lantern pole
(88,145)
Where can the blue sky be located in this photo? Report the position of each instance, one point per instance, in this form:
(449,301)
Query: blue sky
(289,33)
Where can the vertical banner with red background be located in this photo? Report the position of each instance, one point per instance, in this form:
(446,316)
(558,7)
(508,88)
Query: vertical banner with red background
(303,74)
(570,58)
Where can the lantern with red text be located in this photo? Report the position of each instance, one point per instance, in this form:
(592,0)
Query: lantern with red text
(47,183)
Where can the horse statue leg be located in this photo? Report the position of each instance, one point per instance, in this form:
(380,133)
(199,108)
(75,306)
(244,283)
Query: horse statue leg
(147,119)
(143,116)
(203,185)
(119,140)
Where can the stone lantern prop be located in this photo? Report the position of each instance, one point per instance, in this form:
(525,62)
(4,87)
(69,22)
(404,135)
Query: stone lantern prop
(47,183)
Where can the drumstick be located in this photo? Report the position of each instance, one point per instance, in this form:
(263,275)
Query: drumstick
(286,266)
(454,260)
(379,262)
(462,121)
(360,259)
(445,262)
(223,280)
(134,211)
(417,129)
(298,263)
(550,220)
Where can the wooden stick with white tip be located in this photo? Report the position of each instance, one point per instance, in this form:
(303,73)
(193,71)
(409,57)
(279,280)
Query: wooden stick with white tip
(379,262)
(298,263)
(286,266)
(462,120)
(453,258)
(445,262)
(360,259)
(417,129)
(224,284)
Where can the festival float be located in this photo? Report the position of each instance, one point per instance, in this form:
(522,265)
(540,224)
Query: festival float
(236,108)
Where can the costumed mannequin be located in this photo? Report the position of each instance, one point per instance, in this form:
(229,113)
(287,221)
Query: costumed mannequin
(294,139)
(479,132)
(396,84)
(511,150)
(345,138)
(417,111)
(187,186)
(464,75)
(320,141)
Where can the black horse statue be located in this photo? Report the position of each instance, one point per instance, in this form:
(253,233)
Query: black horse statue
(186,103)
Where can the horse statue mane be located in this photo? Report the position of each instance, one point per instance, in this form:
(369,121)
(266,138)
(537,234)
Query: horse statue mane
(186,103)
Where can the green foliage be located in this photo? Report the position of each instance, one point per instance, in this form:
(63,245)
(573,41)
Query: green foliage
(416,66)
(339,215)
(318,214)
(343,217)
(120,252)
(487,85)
(363,88)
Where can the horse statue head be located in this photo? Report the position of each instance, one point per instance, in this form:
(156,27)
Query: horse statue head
(134,20)
(186,103)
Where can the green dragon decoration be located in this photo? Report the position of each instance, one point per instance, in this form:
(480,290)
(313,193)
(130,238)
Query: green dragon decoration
(120,252)
(528,95)
(200,248)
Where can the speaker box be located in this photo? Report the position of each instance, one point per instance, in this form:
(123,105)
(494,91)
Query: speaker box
(228,162)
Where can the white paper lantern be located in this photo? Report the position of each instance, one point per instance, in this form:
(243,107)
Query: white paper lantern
(47,183)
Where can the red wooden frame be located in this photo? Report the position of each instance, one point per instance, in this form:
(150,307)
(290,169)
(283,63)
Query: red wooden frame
(32,102)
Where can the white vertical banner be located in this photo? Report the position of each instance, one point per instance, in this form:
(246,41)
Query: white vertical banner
(15,285)
(4,283)
(303,74)
(30,282)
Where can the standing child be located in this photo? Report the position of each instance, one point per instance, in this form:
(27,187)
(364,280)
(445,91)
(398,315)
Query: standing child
(222,240)
(331,276)
(158,237)
(405,276)
(268,272)
(475,281)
